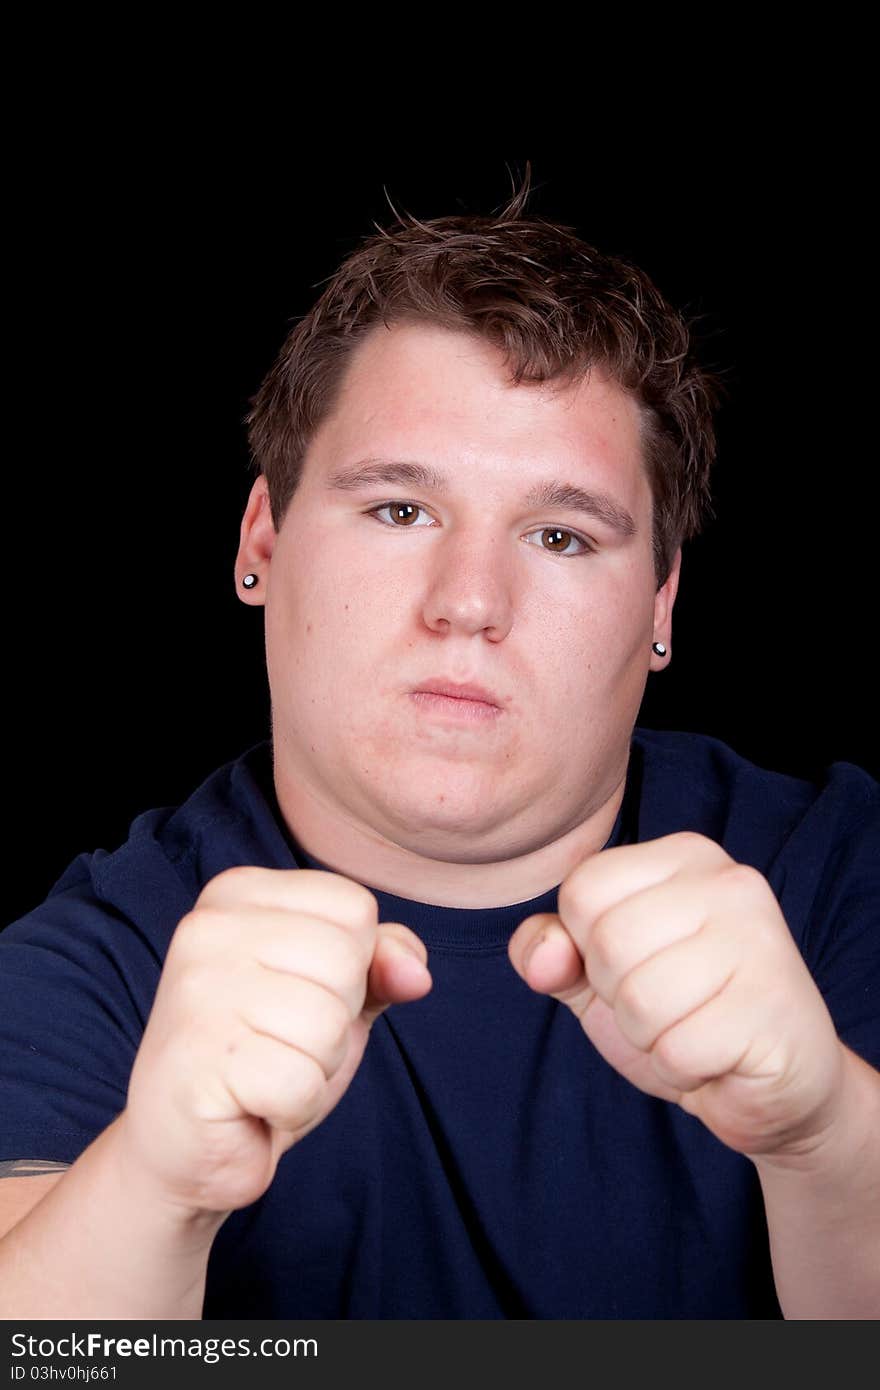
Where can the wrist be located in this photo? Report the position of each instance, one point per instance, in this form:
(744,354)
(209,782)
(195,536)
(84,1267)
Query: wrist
(190,1222)
(850,1130)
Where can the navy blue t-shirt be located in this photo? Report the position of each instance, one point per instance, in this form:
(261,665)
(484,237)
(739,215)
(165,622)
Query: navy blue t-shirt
(485,1162)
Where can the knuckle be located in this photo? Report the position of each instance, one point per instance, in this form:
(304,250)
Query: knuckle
(337,1022)
(199,931)
(185,929)
(237,876)
(339,899)
(634,998)
(673,1052)
(344,969)
(697,851)
(189,986)
(743,878)
(352,977)
(304,1088)
(197,994)
(287,1096)
(602,944)
(573,889)
(364,909)
(236,871)
(355,953)
(693,839)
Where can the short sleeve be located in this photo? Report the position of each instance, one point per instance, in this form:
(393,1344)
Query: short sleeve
(842,942)
(77,980)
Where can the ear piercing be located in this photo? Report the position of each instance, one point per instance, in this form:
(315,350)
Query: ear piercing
(251,579)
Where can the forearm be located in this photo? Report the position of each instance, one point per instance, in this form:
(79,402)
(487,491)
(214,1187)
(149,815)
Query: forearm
(823,1214)
(98,1246)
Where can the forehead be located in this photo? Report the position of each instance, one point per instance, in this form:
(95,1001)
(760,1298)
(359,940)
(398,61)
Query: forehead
(421,392)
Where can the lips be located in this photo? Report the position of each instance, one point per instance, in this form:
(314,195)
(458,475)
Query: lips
(469,691)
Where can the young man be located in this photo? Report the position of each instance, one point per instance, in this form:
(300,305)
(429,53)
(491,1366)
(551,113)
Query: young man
(462,996)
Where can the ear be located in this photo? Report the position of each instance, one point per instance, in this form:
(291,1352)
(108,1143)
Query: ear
(664,600)
(256,543)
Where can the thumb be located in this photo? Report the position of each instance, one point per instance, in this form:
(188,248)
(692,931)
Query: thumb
(398,971)
(543,954)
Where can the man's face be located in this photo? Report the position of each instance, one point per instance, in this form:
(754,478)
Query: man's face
(468,583)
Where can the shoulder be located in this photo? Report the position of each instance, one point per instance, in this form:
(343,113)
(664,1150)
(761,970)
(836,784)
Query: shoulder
(693,781)
(816,841)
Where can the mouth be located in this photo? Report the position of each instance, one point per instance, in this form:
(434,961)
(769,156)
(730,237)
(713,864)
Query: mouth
(469,692)
(466,704)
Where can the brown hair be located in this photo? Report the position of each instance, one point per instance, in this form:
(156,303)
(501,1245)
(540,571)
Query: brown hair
(550,302)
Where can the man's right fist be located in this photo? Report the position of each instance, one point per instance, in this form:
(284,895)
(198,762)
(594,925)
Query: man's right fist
(260,1020)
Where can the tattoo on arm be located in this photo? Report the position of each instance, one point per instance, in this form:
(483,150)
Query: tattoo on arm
(29,1167)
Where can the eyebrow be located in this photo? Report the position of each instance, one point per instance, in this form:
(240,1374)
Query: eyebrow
(551,493)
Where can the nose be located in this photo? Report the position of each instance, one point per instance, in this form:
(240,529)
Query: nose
(469,588)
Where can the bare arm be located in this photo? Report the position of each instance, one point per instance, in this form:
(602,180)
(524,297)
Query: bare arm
(97,1245)
(23,1182)
(264,1006)
(823,1213)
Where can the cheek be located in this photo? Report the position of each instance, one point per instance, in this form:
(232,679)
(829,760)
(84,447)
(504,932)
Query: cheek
(310,586)
(344,583)
(324,619)
(589,641)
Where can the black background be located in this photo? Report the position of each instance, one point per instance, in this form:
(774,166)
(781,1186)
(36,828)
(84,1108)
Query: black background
(155,275)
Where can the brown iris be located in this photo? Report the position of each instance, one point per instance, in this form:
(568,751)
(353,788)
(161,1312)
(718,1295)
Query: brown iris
(400,507)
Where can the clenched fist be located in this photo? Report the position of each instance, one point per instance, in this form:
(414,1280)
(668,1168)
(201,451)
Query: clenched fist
(260,1020)
(684,975)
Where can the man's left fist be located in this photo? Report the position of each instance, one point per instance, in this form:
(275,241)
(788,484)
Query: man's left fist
(684,975)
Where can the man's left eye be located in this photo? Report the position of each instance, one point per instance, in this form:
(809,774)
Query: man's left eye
(556,532)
